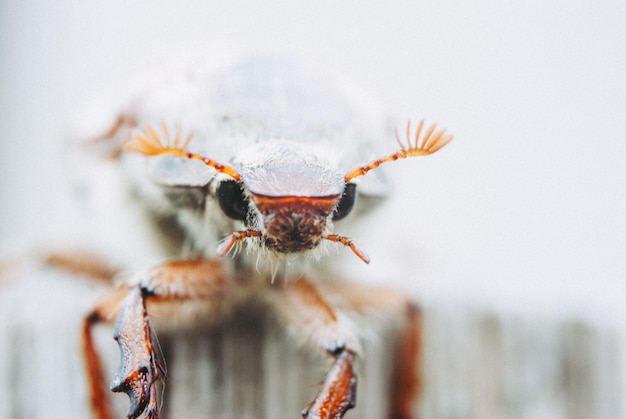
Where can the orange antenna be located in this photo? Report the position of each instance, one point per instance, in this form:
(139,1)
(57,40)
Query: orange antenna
(149,142)
(430,143)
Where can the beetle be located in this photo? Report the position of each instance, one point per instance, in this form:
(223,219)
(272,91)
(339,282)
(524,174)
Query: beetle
(264,161)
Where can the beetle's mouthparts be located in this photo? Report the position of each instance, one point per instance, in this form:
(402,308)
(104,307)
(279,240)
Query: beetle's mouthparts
(349,243)
(226,245)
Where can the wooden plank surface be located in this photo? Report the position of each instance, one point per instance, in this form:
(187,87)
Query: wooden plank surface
(476,364)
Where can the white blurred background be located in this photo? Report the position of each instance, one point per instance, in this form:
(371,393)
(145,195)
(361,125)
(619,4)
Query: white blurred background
(525,211)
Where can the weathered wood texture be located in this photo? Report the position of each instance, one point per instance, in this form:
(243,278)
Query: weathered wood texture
(475,364)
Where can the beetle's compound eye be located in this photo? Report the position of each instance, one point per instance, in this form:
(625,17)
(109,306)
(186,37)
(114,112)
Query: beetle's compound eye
(232,200)
(346,203)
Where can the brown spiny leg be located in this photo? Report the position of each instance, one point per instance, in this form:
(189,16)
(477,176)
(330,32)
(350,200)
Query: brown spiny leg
(110,143)
(406,376)
(406,382)
(105,311)
(140,368)
(302,309)
(81,263)
(85,264)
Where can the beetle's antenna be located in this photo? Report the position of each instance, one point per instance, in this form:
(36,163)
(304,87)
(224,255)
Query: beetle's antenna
(349,243)
(430,143)
(227,244)
(149,142)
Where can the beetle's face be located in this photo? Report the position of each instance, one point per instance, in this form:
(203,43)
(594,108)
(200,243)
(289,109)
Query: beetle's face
(285,192)
(291,199)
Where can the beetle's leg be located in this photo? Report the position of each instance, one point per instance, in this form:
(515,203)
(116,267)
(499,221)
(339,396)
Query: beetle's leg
(301,307)
(85,264)
(139,367)
(407,383)
(406,377)
(81,263)
(98,390)
(110,143)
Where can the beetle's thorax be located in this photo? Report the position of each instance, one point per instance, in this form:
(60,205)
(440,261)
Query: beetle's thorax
(281,168)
